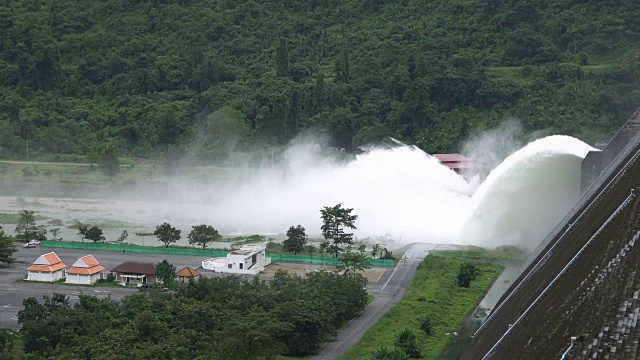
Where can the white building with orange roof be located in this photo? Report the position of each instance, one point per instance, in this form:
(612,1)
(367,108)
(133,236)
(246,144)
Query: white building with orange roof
(85,271)
(47,267)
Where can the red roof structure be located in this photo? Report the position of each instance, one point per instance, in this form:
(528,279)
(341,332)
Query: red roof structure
(86,265)
(49,263)
(188,272)
(457,162)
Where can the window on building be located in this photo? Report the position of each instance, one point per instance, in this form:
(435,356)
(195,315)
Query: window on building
(230,266)
(241,266)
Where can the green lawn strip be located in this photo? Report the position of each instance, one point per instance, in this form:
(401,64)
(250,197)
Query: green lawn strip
(433,293)
(63,282)
(370,298)
(477,253)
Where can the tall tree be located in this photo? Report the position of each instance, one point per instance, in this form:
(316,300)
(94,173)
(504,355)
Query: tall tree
(296,240)
(202,235)
(282,59)
(318,93)
(82,231)
(26,131)
(294,113)
(94,233)
(342,67)
(310,249)
(167,234)
(54,233)
(26,225)
(166,272)
(7,248)
(375,250)
(335,219)
(123,236)
(352,262)
(109,163)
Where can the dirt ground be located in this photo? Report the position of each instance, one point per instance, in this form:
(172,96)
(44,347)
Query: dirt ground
(372,275)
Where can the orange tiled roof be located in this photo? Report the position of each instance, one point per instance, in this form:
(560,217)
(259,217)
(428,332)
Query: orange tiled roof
(45,268)
(188,272)
(90,261)
(52,258)
(85,271)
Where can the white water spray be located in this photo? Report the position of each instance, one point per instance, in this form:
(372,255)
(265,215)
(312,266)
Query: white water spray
(409,196)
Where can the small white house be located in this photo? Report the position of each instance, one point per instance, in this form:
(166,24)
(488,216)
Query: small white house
(47,267)
(249,259)
(86,271)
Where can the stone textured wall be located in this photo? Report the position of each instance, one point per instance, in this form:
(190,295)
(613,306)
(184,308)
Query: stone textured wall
(586,283)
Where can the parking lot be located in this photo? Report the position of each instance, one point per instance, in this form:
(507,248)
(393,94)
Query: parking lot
(13,291)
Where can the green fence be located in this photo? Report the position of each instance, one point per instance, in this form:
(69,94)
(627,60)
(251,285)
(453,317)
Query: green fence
(132,248)
(324,259)
(199,252)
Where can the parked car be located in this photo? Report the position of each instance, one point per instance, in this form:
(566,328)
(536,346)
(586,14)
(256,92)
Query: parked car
(35,242)
(143,287)
(29,245)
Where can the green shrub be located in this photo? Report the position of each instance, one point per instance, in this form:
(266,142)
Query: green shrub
(467,273)
(425,325)
(385,353)
(408,342)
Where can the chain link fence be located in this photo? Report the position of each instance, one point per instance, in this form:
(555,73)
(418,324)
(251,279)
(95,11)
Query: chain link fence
(199,252)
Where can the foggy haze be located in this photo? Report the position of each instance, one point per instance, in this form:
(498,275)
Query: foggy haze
(400,194)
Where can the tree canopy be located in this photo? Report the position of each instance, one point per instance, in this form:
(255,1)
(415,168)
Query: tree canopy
(7,248)
(144,76)
(167,234)
(296,239)
(210,318)
(26,227)
(202,235)
(94,233)
(335,219)
(166,272)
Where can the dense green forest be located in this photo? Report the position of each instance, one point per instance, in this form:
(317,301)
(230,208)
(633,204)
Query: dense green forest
(211,318)
(210,77)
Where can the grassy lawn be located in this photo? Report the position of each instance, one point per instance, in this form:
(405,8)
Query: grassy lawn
(435,294)
(111,284)
(477,253)
(63,282)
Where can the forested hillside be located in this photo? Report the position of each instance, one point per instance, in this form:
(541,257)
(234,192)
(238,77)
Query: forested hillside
(207,77)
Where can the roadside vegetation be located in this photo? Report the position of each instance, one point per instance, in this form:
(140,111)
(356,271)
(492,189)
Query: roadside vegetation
(431,312)
(208,318)
(7,248)
(507,253)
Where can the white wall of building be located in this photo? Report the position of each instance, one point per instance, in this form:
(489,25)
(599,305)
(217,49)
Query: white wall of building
(83,279)
(240,262)
(45,276)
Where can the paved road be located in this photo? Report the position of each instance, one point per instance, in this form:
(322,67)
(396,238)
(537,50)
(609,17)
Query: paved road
(389,290)
(13,291)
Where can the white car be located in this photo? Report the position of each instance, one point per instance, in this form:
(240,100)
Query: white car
(29,245)
(34,242)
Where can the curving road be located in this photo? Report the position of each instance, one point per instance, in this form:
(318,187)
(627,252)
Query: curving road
(389,290)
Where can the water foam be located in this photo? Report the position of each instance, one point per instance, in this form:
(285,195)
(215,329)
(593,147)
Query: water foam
(409,196)
(527,194)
